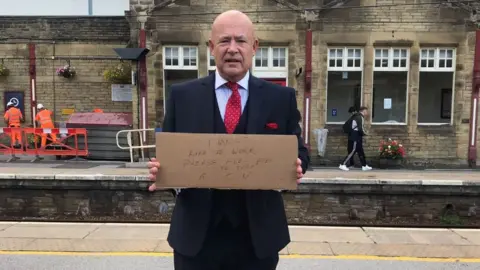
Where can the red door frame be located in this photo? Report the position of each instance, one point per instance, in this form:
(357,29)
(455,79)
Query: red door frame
(279,81)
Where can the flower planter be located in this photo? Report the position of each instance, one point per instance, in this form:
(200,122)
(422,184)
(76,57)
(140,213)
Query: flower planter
(387,163)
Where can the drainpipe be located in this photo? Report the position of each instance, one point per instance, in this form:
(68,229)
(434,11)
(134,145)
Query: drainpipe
(308,86)
(142,18)
(33,81)
(472,147)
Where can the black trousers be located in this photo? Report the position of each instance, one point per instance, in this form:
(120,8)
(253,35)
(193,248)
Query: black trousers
(355,147)
(226,248)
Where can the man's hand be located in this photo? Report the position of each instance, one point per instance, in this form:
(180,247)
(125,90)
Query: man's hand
(299,170)
(153,167)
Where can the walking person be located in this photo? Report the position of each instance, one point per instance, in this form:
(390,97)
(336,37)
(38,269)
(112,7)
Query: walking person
(351,162)
(356,125)
(230,229)
(44,120)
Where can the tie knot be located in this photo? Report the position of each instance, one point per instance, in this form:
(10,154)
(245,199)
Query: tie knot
(233,86)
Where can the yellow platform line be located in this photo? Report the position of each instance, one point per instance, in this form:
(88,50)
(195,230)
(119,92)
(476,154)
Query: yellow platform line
(290,256)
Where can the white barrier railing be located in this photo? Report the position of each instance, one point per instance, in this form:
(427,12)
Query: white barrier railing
(130,146)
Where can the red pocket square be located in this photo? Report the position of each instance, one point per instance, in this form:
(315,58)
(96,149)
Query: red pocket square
(272,125)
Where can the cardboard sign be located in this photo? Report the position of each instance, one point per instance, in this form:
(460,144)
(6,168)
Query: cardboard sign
(226,161)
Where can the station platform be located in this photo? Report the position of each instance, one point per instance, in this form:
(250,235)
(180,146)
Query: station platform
(451,244)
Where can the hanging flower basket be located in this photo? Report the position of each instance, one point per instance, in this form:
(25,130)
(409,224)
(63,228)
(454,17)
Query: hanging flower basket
(66,71)
(3,70)
(119,74)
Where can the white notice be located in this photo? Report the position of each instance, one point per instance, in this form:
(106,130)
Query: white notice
(122,92)
(387,103)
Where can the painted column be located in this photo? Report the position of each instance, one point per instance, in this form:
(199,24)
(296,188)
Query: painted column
(472,142)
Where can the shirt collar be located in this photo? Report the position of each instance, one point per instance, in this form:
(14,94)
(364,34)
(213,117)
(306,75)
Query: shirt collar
(219,81)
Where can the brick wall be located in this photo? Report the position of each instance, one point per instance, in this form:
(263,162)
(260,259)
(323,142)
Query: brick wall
(86,42)
(314,204)
(392,22)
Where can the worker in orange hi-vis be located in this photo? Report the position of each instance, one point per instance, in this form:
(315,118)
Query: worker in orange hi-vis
(98,110)
(13,117)
(44,120)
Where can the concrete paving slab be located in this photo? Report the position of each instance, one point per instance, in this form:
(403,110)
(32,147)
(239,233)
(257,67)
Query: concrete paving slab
(399,250)
(415,236)
(5,225)
(15,243)
(329,234)
(48,230)
(129,232)
(92,245)
(309,248)
(471,235)
(163,246)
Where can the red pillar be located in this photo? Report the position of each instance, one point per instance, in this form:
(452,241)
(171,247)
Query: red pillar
(143,85)
(472,142)
(33,81)
(308,88)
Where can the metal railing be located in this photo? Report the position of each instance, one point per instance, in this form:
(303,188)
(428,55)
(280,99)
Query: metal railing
(130,146)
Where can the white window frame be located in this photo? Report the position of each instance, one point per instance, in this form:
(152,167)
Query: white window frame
(436,60)
(437,68)
(346,69)
(390,58)
(345,58)
(391,68)
(180,65)
(270,71)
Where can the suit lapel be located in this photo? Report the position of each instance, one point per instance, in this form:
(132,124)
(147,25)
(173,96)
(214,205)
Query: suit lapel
(257,112)
(205,113)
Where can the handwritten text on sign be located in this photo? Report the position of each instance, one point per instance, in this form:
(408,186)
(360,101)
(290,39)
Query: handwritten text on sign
(232,161)
(239,158)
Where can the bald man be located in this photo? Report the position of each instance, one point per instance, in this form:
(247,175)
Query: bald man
(230,229)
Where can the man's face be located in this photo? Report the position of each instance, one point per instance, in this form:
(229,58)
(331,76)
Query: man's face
(233,46)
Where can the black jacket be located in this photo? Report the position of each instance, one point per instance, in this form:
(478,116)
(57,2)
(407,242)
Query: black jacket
(190,109)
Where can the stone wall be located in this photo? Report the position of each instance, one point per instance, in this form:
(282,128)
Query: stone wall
(372,22)
(85,42)
(126,199)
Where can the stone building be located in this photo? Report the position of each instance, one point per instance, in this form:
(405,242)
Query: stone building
(32,48)
(410,62)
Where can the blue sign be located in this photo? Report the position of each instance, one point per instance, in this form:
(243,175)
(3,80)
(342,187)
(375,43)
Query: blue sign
(334,112)
(17,99)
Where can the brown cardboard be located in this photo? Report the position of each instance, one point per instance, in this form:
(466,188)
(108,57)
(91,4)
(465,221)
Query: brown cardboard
(226,161)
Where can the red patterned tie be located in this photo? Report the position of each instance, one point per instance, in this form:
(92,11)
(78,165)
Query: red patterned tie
(234,108)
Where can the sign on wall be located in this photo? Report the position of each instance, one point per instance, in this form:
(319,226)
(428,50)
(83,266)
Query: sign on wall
(122,92)
(17,98)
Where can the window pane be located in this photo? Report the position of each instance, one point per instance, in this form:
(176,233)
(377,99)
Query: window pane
(282,62)
(339,53)
(424,54)
(431,53)
(358,63)
(431,63)
(403,63)
(332,53)
(350,52)
(378,53)
(436,98)
(358,53)
(349,63)
(450,53)
(396,63)
(175,62)
(275,62)
(378,63)
(168,61)
(423,63)
(331,63)
(441,63)
(258,62)
(186,62)
(404,53)
(343,91)
(393,86)
(449,63)
(339,63)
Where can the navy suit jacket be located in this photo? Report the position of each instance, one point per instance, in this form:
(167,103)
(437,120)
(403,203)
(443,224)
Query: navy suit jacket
(190,109)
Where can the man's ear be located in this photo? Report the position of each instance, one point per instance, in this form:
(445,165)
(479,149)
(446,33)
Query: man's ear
(210,46)
(255,46)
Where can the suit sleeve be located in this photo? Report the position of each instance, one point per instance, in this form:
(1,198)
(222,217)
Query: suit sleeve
(294,129)
(169,123)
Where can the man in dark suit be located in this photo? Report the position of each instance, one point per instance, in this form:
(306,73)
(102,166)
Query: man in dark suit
(230,229)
